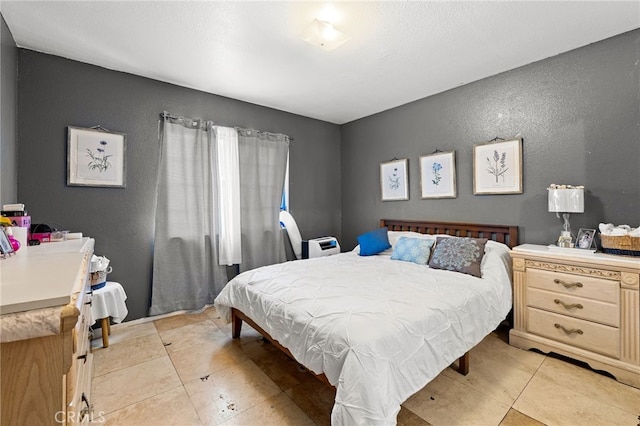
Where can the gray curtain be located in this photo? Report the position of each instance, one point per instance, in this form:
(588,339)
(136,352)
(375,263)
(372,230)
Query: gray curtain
(263,160)
(186,273)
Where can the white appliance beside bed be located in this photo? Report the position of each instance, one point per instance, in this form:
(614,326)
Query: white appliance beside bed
(305,249)
(376,328)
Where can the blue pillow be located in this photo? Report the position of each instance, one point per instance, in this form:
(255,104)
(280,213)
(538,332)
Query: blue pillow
(374,242)
(416,250)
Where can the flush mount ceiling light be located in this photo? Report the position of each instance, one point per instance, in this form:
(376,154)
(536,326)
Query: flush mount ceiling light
(324,35)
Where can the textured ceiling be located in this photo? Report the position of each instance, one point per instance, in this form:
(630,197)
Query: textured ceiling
(399,51)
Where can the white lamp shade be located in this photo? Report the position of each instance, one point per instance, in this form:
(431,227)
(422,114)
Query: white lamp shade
(566,200)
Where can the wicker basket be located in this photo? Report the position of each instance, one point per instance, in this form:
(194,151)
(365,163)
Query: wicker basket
(623,244)
(98,279)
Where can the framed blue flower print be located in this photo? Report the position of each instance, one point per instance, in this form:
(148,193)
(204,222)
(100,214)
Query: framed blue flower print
(394,180)
(438,175)
(95,157)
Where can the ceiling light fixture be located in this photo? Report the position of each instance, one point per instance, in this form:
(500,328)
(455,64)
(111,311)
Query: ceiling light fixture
(324,35)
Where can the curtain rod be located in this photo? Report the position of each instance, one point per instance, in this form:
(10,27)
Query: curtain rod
(168,115)
(289,138)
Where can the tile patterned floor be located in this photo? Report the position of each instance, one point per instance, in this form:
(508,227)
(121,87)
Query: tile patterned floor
(186,370)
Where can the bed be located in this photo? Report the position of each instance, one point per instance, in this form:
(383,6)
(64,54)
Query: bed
(378,328)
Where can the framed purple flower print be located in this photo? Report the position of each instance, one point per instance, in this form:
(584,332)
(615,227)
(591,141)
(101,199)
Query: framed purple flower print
(96,157)
(497,167)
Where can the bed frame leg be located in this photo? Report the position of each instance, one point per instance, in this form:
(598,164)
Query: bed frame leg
(236,324)
(463,364)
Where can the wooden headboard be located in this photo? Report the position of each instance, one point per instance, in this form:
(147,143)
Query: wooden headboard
(505,234)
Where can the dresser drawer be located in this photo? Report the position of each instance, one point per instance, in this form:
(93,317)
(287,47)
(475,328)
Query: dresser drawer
(81,343)
(80,369)
(576,332)
(79,408)
(578,307)
(577,285)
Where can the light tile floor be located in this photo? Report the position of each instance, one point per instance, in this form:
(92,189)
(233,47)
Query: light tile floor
(186,370)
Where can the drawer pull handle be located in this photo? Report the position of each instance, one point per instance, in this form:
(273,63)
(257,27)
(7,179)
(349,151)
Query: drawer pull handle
(566,284)
(83,358)
(567,305)
(566,330)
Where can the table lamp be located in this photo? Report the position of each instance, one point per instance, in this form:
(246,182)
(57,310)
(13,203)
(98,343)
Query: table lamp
(566,199)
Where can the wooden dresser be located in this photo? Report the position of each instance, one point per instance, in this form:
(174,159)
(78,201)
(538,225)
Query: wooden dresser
(44,333)
(579,304)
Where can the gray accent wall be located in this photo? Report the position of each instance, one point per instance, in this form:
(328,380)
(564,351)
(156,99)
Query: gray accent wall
(578,115)
(55,93)
(8,121)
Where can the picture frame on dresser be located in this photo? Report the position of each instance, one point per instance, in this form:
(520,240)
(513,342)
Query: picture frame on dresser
(96,157)
(585,238)
(6,249)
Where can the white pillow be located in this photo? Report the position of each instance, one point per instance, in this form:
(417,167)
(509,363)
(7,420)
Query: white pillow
(496,260)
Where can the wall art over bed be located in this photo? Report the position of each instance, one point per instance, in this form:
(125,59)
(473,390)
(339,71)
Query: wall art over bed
(394,180)
(438,175)
(497,167)
(95,157)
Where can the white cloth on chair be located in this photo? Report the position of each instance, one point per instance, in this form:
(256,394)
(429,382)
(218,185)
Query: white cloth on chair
(108,301)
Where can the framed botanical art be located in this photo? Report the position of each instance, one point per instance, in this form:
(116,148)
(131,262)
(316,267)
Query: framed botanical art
(394,180)
(497,167)
(438,175)
(95,157)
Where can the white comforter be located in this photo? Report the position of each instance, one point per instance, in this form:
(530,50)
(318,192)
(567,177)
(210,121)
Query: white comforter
(379,329)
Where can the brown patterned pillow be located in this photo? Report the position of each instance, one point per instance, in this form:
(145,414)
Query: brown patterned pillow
(459,254)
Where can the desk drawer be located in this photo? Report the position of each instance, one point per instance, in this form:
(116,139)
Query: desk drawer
(577,285)
(578,307)
(576,332)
